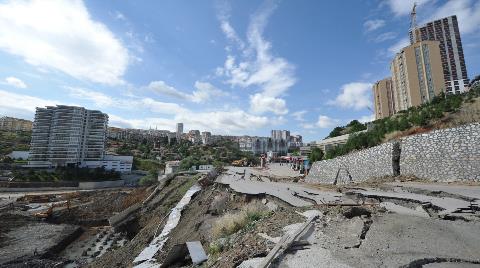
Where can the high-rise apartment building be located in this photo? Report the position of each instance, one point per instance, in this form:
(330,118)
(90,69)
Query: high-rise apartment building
(67,136)
(417,75)
(206,137)
(383,98)
(280,135)
(179,131)
(447,33)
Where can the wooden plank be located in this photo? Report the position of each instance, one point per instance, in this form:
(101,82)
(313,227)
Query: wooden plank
(284,243)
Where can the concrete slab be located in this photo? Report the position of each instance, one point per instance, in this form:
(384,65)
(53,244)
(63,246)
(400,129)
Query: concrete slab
(403,210)
(196,252)
(449,205)
(393,240)
(461,190)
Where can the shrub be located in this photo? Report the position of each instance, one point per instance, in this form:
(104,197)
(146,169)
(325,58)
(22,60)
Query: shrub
(231,223)
(215,248)
(147,180)
(315,155)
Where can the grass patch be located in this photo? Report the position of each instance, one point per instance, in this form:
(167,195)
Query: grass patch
(231,223)
(215,248)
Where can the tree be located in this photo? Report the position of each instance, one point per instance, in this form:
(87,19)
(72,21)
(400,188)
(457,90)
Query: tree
(336,132)
(315,155)
(355,126)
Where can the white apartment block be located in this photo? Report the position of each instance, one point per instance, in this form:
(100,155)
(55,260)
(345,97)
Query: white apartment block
(68,136)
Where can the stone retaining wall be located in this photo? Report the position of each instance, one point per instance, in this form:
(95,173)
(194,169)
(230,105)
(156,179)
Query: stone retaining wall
(361,165)
(442,155)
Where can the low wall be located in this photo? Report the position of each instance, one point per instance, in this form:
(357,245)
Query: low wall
(37,184)
(443,155)
(100,184)
(359,166)
(79,186)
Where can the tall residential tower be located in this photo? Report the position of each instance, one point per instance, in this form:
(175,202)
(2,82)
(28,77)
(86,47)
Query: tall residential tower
(179,131)
(446,32)
(417,75)
(67,136)
(383,98)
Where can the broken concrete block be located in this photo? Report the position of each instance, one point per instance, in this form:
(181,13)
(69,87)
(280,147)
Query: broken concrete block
(196,252)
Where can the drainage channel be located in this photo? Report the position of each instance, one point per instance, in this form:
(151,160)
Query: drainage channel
(146,258)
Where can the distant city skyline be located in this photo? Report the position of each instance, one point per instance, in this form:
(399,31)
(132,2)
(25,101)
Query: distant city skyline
(225,67)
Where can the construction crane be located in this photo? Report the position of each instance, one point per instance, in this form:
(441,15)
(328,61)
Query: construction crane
(413,22)
(413,16)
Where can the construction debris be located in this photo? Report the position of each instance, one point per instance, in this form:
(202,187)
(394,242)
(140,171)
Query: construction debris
(284,243)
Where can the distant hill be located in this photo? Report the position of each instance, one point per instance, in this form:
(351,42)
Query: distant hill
(14,141)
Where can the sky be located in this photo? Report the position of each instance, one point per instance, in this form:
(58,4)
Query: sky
(229,67)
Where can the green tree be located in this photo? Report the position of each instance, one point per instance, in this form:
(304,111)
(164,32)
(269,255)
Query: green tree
(315,155)
(355,126)
(336,132)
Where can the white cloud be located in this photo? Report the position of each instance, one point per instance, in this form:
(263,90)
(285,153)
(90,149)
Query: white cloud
(62,35)
(260,103)
(257,67)
(385,36)
(21,105)
(395,48)
(356,95)
(467,11)
(203,93)
(404,7)
(100,99)
(322,122)
(367,118)
(221,122)
(163,88)
(159,107)
(16,82)
(372,25)
(119,15)
(223,17)
(226,121)
(299,115)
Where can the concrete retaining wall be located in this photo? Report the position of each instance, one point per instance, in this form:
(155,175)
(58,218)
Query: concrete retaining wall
(442,155)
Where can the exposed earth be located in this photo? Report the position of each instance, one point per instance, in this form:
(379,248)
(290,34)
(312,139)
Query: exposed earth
(246,216)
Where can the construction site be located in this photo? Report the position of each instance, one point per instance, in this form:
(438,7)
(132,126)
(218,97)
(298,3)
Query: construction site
(246,217)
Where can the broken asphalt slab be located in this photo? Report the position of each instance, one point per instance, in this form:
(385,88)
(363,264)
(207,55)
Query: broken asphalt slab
(391,240)
(447,205)
(468,191)
(294,194)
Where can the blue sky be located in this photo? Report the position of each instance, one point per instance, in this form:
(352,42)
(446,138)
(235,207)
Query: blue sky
(230,67)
